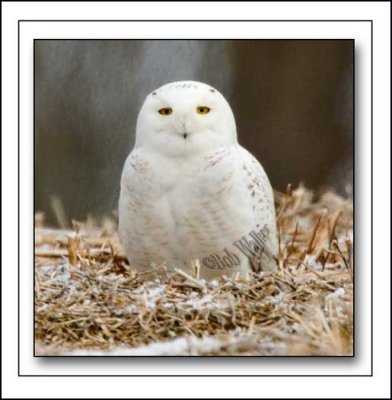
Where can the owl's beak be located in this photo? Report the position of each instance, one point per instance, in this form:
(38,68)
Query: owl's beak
(185,129)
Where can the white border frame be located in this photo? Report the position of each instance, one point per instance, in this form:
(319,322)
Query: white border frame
(363,122)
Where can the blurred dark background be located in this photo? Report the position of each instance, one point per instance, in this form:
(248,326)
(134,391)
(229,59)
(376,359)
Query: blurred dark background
(292,99)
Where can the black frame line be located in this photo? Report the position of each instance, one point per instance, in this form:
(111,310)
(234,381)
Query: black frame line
(195,20)
(190,357)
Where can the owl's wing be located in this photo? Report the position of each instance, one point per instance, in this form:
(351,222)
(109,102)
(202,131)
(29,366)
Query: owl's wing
(261,197)
(134,203)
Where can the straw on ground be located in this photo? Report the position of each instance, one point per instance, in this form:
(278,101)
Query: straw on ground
(88,300)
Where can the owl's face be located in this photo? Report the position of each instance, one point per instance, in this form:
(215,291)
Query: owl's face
(186,118)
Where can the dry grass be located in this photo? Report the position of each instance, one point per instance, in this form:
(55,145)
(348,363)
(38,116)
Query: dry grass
(90,301)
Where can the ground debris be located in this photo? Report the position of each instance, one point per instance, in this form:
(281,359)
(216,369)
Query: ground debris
(88,300)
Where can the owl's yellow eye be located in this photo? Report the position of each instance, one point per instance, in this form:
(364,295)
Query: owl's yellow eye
(202,110)
(165,111)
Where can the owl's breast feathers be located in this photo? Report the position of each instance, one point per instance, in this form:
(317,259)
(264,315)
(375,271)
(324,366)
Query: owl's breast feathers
(173,209)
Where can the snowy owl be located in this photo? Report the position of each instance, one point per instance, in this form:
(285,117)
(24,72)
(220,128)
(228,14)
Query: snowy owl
(190,192)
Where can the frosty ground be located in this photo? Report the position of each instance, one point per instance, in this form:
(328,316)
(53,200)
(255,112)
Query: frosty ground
(89,300)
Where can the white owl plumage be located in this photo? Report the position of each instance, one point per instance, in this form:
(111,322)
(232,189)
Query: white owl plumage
(190,192)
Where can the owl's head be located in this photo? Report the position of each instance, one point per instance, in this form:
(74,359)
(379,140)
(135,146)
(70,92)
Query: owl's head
(185,118)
